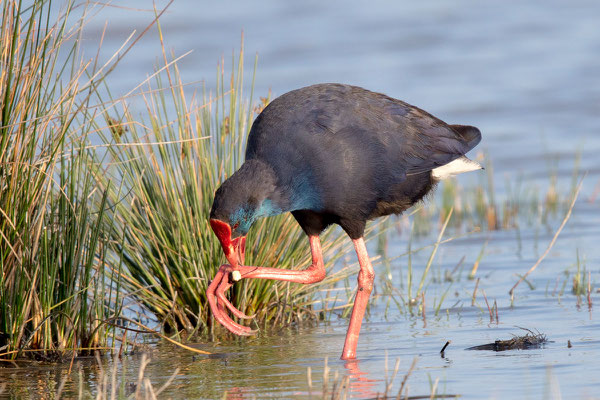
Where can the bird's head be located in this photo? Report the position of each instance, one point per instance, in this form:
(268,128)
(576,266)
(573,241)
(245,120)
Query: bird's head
(239,202)
(233,247)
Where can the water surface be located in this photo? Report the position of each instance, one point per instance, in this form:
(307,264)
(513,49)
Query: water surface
(524,72)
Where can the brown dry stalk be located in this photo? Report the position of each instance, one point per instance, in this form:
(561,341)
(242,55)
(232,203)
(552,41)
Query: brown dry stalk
(423,309)
(475,292)
(560,228)
(410,370)
(488,306)
(475,267)
(496,308)
(589,290)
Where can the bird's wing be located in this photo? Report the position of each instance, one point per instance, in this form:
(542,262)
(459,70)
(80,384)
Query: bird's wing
(428,142)
(345,129)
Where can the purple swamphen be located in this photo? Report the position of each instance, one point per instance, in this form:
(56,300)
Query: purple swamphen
(330,154)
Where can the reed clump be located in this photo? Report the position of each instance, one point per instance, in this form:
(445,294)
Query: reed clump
(53,287)
(168,165)
(85,225)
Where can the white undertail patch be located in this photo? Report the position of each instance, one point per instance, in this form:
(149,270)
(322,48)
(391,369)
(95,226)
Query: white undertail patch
(458,166)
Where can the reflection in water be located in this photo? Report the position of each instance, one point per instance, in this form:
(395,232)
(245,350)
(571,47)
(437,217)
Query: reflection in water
(360,382)
(236,393)
(513,76)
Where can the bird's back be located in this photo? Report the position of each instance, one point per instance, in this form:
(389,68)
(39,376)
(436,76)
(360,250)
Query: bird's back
(348,151)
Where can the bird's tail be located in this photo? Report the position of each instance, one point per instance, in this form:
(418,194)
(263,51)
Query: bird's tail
(458,166)
(469,134)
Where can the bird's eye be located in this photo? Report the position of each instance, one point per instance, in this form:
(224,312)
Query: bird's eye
(236,225)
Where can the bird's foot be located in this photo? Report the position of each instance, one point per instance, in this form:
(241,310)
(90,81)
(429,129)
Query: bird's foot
(227,275)
(223,280)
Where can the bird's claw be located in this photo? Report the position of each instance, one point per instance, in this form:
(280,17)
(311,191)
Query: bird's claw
(223,280)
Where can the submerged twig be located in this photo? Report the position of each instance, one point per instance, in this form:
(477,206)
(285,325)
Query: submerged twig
(444,348)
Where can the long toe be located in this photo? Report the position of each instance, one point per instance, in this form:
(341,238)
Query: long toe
(214,294)
(221,316)
(231,325)
(210,291)
(220,292)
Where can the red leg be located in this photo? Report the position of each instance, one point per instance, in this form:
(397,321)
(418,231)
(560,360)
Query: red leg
(222,282)
(242,250)
(365,286)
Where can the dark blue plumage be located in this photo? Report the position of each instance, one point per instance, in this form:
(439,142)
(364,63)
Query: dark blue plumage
(330,154)
(333,153)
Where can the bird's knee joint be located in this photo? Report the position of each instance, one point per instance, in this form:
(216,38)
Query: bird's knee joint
(317,273)
(321,275)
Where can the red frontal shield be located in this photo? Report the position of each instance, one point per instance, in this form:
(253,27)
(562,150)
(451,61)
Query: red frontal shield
(234,249)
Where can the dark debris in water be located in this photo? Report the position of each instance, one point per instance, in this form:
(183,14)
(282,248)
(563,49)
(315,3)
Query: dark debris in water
(530,340)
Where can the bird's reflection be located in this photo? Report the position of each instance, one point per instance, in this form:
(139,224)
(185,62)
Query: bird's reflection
(360,383)
(236,393)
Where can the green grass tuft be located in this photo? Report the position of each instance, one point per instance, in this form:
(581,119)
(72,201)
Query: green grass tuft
(169,165)
(53,291)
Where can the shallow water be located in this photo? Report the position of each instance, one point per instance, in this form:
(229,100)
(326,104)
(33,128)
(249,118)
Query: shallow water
(275,364)
(525,73)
